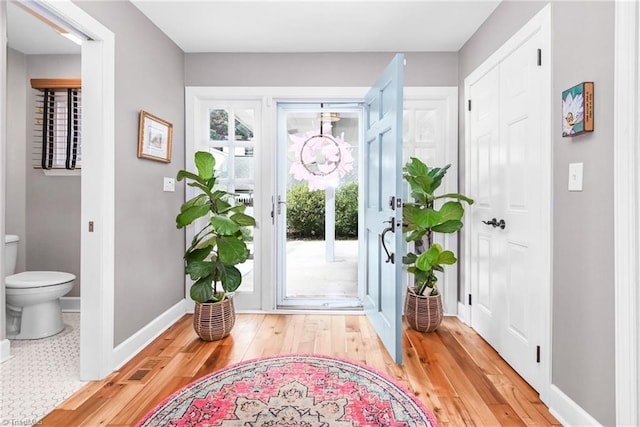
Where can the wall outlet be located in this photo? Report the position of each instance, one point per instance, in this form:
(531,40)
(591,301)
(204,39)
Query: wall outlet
(169,184)
(575,176)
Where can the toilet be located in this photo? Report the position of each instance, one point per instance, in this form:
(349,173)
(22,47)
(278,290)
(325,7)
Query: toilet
(33,298)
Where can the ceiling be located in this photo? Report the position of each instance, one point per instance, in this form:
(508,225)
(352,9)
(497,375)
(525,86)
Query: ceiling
(31,36)
(287,25)
(318,26)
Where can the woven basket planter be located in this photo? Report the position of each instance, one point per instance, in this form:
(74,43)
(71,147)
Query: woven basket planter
(423,313)
(213,321)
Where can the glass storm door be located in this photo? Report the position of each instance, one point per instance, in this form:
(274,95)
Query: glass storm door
(383,206)
(316,205)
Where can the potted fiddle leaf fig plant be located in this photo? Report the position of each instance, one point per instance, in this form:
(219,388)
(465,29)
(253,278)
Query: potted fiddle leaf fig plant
(215,250)
(423,303)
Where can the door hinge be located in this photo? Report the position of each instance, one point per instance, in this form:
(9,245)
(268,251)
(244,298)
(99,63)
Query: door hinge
(538,354)
(469,299)
(539,57)
(469,105)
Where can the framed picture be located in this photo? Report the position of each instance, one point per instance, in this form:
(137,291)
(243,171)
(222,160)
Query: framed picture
(154,138)
(577,109)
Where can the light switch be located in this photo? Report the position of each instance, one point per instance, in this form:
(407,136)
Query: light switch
(575,176)
(169,184)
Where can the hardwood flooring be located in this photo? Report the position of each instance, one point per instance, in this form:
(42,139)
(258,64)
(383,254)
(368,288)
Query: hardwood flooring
(453,371)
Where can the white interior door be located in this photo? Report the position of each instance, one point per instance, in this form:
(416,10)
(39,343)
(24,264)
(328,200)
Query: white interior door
(506,178)
(485,182)
(383,206)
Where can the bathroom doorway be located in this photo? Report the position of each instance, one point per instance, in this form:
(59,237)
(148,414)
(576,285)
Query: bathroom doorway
(317,205)
(97,186)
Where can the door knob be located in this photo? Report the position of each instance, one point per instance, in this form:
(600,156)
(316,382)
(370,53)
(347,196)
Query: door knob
(495,223)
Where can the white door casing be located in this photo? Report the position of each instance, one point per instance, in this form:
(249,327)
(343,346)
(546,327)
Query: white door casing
(627,211)
(509,175)
(4,342)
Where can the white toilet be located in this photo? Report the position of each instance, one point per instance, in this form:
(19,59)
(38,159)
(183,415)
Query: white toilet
(33,298)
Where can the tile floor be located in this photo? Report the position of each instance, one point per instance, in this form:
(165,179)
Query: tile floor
(41,374)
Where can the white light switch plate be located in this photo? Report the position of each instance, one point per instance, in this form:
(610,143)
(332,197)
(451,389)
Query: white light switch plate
(169,184)
(575,176)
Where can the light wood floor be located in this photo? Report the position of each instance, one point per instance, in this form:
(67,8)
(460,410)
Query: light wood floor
(453,371)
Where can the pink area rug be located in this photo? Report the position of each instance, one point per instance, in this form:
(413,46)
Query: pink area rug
(292,390)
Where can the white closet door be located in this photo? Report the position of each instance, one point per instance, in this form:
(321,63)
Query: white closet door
(485,189)
(506,178)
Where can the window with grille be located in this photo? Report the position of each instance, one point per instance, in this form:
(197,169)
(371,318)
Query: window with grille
(56,141)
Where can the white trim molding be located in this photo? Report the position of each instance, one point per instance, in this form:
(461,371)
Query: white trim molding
(4,343)
(138,341)
(97,265)
(5,350)
(626,211)
(568,412)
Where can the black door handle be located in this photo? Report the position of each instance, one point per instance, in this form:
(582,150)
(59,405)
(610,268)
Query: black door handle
(392,228)
(495,223)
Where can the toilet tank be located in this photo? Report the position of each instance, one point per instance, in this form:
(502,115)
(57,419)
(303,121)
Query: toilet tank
(11,253)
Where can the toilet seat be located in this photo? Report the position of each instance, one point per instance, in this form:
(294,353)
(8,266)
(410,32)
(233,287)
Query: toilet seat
(38,279)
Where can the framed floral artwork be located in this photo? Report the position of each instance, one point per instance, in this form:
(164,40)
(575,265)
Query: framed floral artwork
(577,109)
(154,138)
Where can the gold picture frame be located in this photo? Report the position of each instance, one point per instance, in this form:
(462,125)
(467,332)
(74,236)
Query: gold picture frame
(154,138)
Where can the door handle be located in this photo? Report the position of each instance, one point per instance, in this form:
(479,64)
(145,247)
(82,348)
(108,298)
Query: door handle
(392,228)
(495,223)
(279,205)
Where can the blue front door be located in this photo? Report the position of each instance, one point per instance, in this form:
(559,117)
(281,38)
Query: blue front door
(383,206)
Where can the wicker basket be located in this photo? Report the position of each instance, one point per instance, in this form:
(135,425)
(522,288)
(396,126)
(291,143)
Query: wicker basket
(213,321)
(423,313)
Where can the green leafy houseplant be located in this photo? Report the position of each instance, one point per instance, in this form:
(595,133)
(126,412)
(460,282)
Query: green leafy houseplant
(421,219)
(220,245)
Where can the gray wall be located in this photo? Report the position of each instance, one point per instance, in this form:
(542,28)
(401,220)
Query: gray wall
(315,69)
(52,238)
(149,276)
(44,211)
(583,297)
(583,307)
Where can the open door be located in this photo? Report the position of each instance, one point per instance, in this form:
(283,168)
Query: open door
(383,206)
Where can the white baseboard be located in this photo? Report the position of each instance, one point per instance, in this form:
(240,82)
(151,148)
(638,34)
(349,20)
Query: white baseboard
(134,344)
(5,350)
(70,304)
(568,412)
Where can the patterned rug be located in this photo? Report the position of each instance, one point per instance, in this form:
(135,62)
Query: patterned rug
(292,390)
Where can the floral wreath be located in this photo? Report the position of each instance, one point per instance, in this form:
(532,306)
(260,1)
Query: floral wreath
(319,159)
